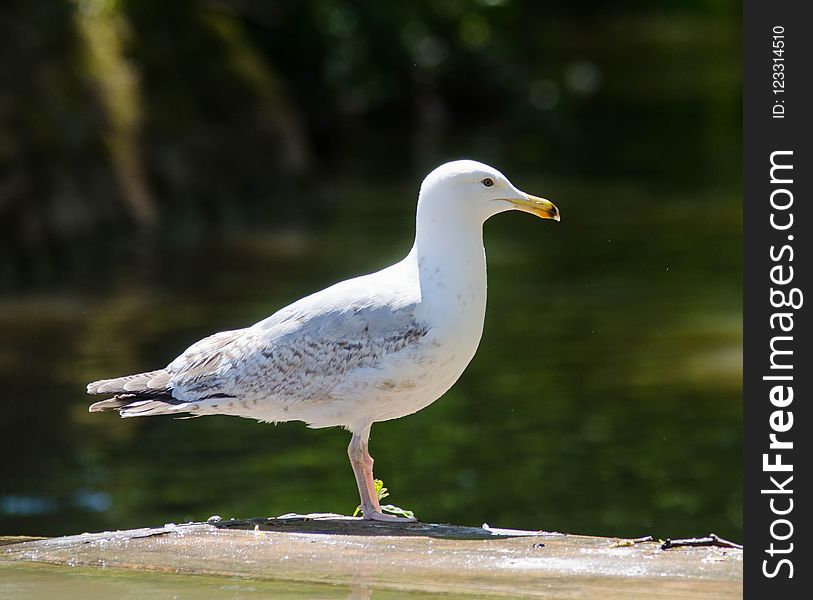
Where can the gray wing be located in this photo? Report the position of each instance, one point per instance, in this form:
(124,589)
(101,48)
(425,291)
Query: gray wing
(299,353)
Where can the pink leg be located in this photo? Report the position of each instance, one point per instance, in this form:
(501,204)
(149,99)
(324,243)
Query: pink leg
(362,464)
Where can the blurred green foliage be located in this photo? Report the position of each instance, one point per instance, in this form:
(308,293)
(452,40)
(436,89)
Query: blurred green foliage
(118,116)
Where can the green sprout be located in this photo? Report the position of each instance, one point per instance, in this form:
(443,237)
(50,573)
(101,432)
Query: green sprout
(381,493)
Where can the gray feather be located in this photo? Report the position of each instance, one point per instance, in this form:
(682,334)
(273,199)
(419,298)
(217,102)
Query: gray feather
(131,383)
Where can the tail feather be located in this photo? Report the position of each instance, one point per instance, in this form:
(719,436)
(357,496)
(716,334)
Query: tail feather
(109,404)
(149,407)
(140,382)
(133,405)
(137,395)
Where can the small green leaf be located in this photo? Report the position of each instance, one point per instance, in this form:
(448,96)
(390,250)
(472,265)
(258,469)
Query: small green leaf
(381,493)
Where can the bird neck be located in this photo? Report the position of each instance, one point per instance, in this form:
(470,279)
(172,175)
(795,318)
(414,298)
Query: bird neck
(451,263)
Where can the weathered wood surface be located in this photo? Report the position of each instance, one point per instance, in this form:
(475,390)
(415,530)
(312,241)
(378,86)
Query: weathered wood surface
(16,539)
(408,557)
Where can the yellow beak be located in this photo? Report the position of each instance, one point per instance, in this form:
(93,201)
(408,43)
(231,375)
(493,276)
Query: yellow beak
(540,207)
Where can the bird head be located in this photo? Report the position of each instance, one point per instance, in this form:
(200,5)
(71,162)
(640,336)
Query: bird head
(473,188)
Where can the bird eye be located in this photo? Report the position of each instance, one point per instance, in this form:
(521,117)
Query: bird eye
(488,182)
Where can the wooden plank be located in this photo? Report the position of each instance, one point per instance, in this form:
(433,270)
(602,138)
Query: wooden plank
(16,539)
(406,557)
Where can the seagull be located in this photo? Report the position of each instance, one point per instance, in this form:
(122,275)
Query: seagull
(374,348)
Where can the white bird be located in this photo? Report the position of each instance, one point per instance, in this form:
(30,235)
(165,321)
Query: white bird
(369,349)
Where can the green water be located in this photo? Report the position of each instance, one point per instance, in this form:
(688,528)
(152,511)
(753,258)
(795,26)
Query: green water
(606,394)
